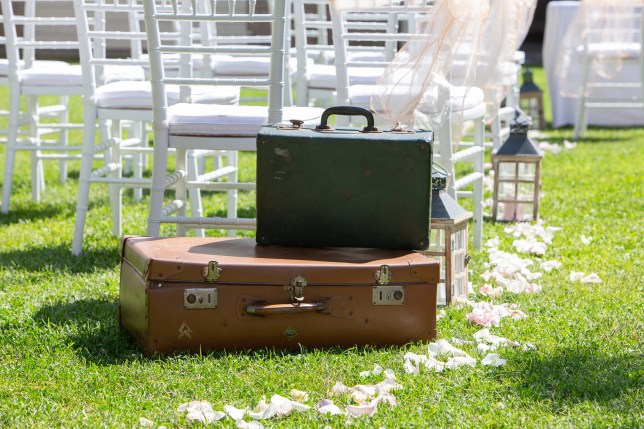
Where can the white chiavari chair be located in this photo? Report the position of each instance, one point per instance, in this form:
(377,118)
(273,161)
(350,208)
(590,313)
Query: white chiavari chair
(118,102)
(190,126)
(42,129)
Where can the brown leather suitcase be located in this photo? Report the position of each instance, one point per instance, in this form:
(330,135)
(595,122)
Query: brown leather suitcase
(192,294)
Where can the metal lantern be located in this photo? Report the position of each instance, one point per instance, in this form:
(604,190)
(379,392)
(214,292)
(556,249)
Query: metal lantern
(517,171)
(448,240)
(531,100)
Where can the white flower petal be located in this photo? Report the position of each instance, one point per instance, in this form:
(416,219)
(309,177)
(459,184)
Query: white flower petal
(586,240)
(365,374)
(362,410)
(550,265)
(576,276)
(388,385)
(234,413)
(298,395)
(442,347)
(493,359)
(327,406)
(201,411)
(339,388)
(390,374)
(248,425)
(591,278)
(457,361)
(435,365)
(440,314)
(146,423)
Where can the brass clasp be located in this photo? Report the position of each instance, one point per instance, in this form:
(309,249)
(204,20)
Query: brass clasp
(296,289)
(212,272)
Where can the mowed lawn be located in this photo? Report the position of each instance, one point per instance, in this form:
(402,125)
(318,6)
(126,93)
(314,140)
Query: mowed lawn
(64,361)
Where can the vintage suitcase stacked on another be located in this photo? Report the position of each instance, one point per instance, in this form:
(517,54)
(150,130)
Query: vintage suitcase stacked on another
(189,293)
(317,189)
(344,187)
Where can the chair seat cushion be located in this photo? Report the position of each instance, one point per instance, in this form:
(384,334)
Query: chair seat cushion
(323,76)
(45,64)
(468,101)
(138,95)
(53,76)
(234,121)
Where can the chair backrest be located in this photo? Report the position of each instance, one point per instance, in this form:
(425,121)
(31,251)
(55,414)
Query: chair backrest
(188,14)
(386,24)
(110,39)
(35,26)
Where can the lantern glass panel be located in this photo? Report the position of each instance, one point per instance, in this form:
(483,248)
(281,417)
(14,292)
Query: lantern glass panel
(524,212)
(526,192)
(507,170)
(527,170)
(436,241)
(507,190)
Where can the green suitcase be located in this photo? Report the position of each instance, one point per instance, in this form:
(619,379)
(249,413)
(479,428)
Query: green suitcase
(343,187)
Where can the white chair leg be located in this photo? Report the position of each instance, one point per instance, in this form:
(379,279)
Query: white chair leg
(477,196)
(233,194)
(116,200)
(10,151)
(87,159)
(37,173)
(196,208)
(180,188)
(581,124)
(63,138)
(445,151)
(159,166)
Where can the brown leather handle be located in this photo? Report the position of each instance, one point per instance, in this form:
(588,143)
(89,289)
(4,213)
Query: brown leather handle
(263,309)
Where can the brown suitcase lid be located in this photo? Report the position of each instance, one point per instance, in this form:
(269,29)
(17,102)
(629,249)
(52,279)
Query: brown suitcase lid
(242,261)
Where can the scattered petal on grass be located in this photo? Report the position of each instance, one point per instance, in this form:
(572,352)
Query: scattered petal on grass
(586,240)
(455,362)
(460,342)
(434,364)
(483,317)
(234,413)
(327,406)
(531,246)
(201,411)
(549,147)
(299,396)
(390,374)
(377,369)
(362,410)
(591,278)
(278,406)
(493,359)
(528,346)
(440,314)
(248,425)
(550,265)
(388,385)
(576,276)
(339,388)
(146,423)
(442,347)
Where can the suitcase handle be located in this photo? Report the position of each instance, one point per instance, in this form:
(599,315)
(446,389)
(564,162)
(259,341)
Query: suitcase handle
(347,111)
(263,309)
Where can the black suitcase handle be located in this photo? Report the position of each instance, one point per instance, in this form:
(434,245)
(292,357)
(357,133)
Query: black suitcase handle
(347,111)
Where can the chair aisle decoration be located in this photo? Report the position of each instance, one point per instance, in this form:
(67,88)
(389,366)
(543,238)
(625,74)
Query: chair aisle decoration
(43,130)
(414,90)
(193,126)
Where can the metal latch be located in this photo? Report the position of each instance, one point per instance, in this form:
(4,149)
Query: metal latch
(383,276)
(212,272)
(296,289)
(388,295)
(196,298)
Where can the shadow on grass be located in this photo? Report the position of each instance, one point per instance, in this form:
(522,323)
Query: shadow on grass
(30,214)
(60,258)
(93,328)
(582,374)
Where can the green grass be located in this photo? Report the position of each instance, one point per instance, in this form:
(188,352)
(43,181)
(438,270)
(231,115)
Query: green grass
(64,362)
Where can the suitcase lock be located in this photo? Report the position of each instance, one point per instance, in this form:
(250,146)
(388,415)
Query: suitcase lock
(296,289)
